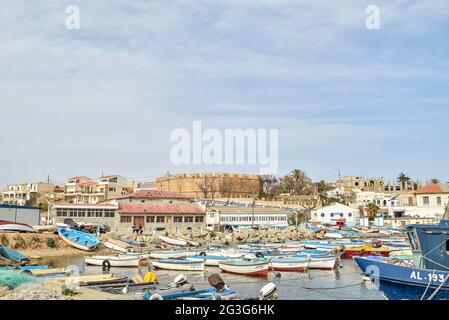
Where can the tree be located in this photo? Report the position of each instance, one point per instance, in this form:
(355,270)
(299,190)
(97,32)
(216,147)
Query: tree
(435,180)
(270,186)
(297,217)
(403,179)
(225,187)
(207,186)
(301,182)
(372,209)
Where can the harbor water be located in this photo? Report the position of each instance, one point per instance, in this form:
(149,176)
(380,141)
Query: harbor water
(343,283)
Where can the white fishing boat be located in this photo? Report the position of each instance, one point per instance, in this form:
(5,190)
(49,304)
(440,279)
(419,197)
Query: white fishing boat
(289,264)
(179,265)
(210,260)
(173,241)
(190,242)
(9,226)
(322,262)
(168,254)
(249,268)
(118,245)
(113,261)
(333,235)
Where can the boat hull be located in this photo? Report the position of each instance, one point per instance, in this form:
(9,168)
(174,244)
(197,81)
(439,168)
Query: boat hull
(114,261)
(169,265)
(402,282)
(259,269)
(172,241)
(89,245)
(289,266)
(349,254)
(10,226)
(168,254)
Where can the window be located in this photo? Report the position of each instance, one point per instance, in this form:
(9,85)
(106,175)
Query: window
(341,215)
(439,201)
(188,219)
(332,214)
(350,214)
(322,215)
(410,201)
(160,219)
(177,219)
(125,219)
(150,219)
(199,219)
(425,200)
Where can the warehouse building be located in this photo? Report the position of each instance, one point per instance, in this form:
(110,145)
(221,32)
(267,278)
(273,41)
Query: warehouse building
(20,214)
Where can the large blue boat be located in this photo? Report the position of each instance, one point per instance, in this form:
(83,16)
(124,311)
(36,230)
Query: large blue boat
(430,280)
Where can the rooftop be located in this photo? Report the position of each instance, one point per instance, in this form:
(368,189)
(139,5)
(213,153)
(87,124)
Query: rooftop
(433,188)
(161,207)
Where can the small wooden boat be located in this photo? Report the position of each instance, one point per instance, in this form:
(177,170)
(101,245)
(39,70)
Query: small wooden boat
(113,261)
(47,273)
(173,241)
(78,239)
(177,264)
(10,226)
(289,264)
(248,268)
(366,250)
(95,279)
(333,235)
(118,245)
(325,262)
(13,255)
(210,260)
(190,242)
(168,254)
(132,242)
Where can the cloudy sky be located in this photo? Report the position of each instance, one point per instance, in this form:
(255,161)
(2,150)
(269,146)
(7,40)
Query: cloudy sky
(106,97)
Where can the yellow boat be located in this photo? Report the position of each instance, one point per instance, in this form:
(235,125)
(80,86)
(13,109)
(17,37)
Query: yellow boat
(366,250)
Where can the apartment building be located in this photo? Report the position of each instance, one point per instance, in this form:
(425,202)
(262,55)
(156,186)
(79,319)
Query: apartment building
(82,189)
(28,194)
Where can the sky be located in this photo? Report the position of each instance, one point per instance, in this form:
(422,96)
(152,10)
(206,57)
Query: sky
(106,97)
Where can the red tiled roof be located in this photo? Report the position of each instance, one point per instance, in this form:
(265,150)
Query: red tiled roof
(59,189)
(79,177)
(430,188)
(108,177)
(161,207)
(155,194)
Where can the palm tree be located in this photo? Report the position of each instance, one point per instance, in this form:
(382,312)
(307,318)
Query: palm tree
(435,180)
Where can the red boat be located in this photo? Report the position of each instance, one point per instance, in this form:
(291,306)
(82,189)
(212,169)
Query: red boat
(9,226)
(366,250)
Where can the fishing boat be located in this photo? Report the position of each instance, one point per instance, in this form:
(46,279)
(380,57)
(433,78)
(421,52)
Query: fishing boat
(113,261)
(333,235)
(21,268)
(78,239)
(178,264)
(245,267)
(190,242)
(289,264)
(210,260)
(173,241)
(169,254)
(13,255)
(366,250)
(10,226)
(324,262)
(399,282)
(118,245)
(132,242)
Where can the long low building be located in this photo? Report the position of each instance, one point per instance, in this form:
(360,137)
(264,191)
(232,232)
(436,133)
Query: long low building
(241,217)
(121,217)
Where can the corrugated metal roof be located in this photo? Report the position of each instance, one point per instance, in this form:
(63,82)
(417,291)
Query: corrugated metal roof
(161,207)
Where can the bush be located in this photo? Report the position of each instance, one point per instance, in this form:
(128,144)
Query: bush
(51,243)
(68,292)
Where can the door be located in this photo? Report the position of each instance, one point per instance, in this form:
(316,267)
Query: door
(139,221)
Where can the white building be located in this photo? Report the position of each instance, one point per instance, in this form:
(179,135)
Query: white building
(244,217)
(335,212)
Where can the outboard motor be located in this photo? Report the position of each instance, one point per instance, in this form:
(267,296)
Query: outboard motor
(217,282)
(180,281)
(268,292)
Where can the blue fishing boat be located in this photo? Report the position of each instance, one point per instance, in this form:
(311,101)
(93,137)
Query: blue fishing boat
(430,279)
(180,294)
(13,255)
(22,268)
(399,282)
(79,239)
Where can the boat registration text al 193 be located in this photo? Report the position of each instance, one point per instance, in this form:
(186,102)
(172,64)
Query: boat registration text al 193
(434,277)
(230,309)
